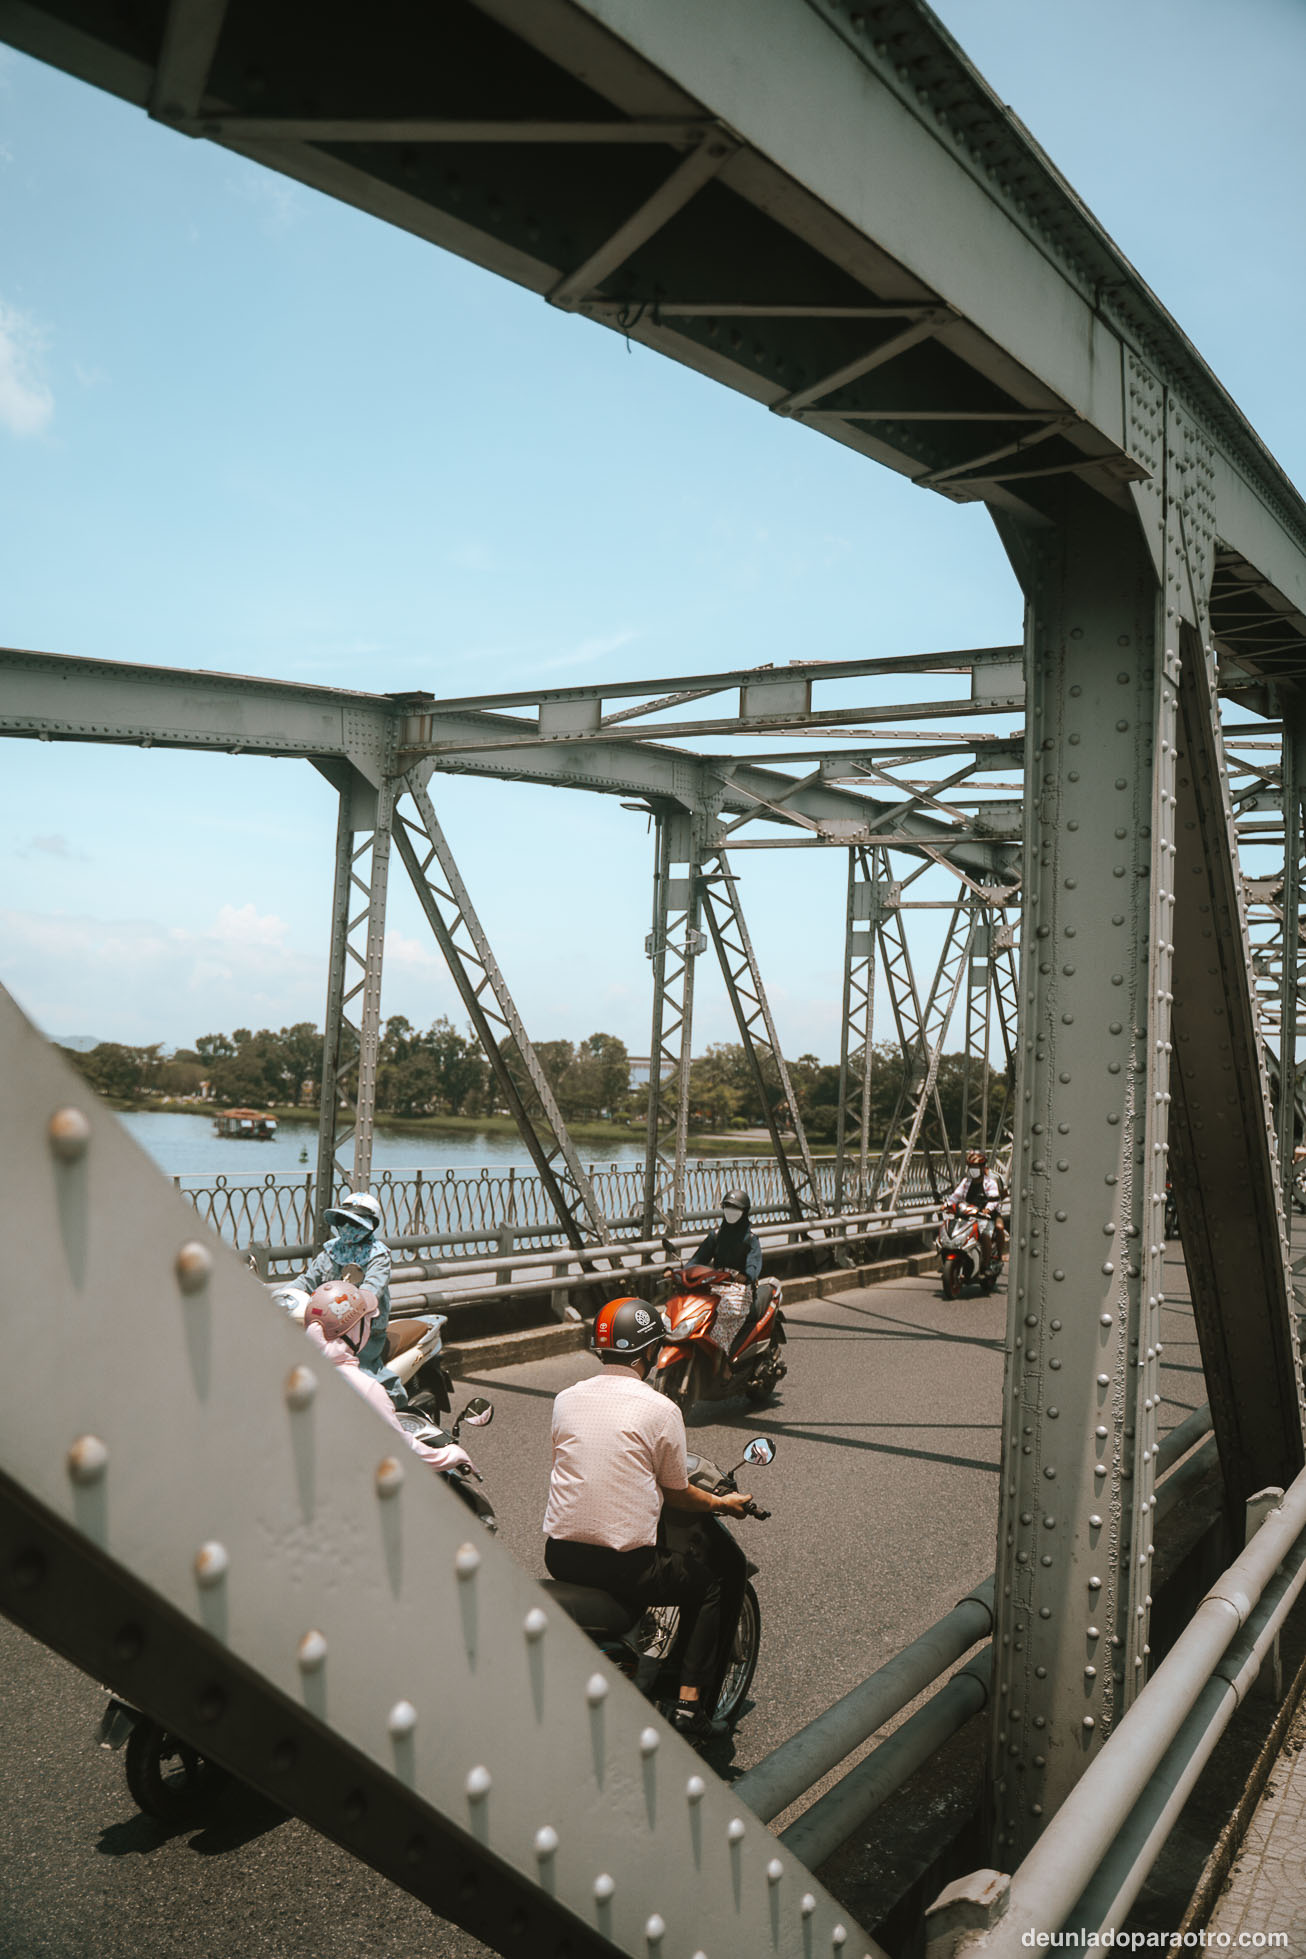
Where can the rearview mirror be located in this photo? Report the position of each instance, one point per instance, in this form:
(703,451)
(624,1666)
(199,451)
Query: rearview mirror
(479,1412)
(760,1451)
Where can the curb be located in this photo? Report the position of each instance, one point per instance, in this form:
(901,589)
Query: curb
(463,1357)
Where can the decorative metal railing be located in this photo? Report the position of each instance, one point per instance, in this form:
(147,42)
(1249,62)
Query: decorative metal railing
(468,1211)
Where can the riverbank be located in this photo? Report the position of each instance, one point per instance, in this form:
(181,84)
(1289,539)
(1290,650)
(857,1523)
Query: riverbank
(751,1143)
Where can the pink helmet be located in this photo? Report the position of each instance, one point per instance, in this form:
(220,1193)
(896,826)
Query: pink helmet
(337,1308)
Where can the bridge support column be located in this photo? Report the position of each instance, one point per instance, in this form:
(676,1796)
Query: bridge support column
(351,1038)
(1293,768)
(856,1046)
(1079,1411)
(673,945)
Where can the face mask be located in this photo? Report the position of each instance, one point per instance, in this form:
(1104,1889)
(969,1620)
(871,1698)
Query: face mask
(730,1214)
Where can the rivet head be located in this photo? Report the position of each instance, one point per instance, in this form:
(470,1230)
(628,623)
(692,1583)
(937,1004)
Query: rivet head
(401,1720)
(1089,1722)
(695,1788)
(300,1388)
(736,1830)
(649,1739)
(311,1652)
(211,1562)
(87,1459)
(596,1690)
(69,1133)
(389,1475)
(839,1937)
(775,1870)
(654,1928)
(466,1560)
(604,1886)
(546,1842)
(534,1623)
(807,1904)
(193,1266)
(478,1784)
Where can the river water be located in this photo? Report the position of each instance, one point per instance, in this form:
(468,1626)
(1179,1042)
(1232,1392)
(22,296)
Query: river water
(187,1144)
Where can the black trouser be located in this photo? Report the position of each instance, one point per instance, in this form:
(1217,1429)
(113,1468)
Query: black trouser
(703,1571)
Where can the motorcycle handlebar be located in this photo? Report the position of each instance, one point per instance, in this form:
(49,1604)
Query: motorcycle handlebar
(753,1511)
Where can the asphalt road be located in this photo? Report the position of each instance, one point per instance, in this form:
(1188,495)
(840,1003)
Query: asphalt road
(884,1502)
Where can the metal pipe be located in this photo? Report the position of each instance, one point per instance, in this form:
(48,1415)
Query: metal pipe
(792,1768)
(1120,1876)
(1049,1881)
(830,1822)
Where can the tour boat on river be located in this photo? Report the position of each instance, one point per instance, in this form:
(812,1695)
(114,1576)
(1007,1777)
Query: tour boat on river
(246,1124)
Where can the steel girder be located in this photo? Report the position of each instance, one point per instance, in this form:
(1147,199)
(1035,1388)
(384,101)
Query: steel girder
(475,971)
(673,945)
(857,1031)
(752,1011)
(281,1609)
(352,1021)
(1084,1290)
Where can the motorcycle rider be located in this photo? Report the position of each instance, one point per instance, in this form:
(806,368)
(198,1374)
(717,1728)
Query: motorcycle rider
(618,1457)
(734,1246)
(338,1319)
(356,1252)
(982,1191)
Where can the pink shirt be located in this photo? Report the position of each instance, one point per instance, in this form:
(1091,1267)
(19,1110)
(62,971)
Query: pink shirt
(617,1444)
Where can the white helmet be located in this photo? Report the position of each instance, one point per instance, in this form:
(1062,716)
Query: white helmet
(360,1207)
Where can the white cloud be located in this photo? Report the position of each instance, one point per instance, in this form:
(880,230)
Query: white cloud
(26,403)
(134,979)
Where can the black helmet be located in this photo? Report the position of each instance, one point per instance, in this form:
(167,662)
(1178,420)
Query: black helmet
(628,1327)
(737,1199)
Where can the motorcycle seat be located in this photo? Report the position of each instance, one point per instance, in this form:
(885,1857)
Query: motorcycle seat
(594,1611)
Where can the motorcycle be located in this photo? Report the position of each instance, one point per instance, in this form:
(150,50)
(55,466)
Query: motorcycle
(644,1643)
(706,1357)
(967,1245)
(413,1347)
(170,1780)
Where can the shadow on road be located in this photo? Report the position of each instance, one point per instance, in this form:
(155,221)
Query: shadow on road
(844,1441)
(239,1819)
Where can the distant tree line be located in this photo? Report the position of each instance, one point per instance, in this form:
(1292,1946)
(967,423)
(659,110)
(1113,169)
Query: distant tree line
(442,1072)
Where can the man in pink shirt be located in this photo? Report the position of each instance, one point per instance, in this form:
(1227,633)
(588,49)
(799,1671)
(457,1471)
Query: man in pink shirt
(618,1456)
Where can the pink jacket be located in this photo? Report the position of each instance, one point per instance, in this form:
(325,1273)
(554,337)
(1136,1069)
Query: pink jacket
(371,1390)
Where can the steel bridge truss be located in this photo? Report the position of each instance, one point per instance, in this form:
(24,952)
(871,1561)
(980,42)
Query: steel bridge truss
(1162,556)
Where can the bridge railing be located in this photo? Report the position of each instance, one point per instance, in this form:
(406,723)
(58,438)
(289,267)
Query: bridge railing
(468,1213)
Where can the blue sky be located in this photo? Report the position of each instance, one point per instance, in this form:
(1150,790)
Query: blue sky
(243,427)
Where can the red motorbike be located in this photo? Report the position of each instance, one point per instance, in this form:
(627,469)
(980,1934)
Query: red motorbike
(706,1358)
(968,1248)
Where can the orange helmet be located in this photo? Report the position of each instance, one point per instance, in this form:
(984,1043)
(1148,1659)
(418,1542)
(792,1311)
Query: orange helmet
(628,1327)
(976,1160)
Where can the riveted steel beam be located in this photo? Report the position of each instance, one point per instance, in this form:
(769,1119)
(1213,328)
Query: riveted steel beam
(352,1021)
(673,946)
(857,1031)
(315,1610)
(1084,1288)
(1292,784)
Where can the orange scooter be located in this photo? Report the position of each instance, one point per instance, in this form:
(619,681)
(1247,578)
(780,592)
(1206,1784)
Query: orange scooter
(708,1355)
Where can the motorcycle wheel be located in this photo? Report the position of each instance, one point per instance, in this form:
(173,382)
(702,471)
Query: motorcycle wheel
(742,1664)
(167,1778)
(676,1381)
(764,1383)
(952,1278)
